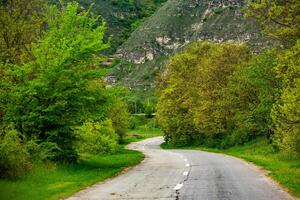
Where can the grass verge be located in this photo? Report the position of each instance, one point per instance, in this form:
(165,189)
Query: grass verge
(59,181)
(286,171)
(141,134)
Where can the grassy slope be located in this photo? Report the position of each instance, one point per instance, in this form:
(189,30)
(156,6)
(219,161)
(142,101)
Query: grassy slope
(283,170)
(141,134)
(56,182)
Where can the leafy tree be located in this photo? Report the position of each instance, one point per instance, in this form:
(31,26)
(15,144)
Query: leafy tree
(60,88)
(190,106)
(173,108)
(21,23)
(279,19)
(286,113)
(119,116)
(251,92)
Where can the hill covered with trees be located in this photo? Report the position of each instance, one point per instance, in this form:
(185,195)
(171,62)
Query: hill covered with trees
(221,94)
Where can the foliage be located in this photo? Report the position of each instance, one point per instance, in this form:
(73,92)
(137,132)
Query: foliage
(60,87)
(119,116)
(96,138)
(122,16)
(21,23)
(286,113)
(251,92)
(59,181)
(14,156)
(190,107)
(279,19)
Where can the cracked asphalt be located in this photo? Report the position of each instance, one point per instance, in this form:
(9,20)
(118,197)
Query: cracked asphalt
(186,175)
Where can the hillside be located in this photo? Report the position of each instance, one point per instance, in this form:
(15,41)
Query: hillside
(122,16)
(175,24)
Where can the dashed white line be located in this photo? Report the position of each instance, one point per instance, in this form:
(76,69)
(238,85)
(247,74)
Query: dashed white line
(185,160)
(187,165)
(185,173)
(178,186)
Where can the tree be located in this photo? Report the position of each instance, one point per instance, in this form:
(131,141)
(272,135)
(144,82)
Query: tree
(21,23)
(119,116)
(173,108)
(280,19)
(286,112)
(190,106)
(61,87)
(250,95)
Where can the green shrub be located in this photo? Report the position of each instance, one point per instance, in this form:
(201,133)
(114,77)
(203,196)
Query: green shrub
(136,121)
(120,117)
(14,156)
(97,137)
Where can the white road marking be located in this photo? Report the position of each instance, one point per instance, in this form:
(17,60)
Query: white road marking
(178,186)
(185,173)
(187,165)
(185,160)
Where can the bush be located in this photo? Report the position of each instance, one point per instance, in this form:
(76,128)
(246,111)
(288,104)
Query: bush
(97,137)
(120,117)
(14,156)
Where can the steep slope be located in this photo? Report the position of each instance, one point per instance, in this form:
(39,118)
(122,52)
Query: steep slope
(175,24)
(122,16)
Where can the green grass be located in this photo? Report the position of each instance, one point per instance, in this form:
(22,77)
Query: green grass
(141,133)
(286,171)
(59,181)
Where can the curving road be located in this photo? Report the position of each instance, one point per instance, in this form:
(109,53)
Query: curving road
(186,175)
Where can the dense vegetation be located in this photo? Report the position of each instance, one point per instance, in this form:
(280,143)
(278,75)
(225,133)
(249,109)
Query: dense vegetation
(54,103)
(221,94)
(122,16)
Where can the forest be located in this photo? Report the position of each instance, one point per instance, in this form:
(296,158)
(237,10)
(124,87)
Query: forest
(54,102)
(224,94)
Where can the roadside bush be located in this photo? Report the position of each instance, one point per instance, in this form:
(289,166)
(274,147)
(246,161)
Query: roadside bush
(14,157)
(120,117)
(97,137)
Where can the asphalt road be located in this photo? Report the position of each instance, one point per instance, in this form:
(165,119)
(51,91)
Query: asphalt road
(186,175)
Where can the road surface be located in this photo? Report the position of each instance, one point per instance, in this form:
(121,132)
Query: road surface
(186,175)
